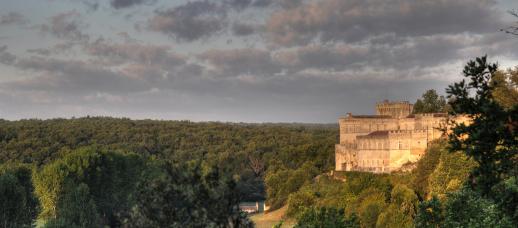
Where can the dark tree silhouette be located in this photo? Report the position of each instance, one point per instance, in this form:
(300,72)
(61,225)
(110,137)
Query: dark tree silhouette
(491,137)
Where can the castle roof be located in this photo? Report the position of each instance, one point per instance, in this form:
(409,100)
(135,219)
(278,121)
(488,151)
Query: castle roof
(438,114)
(375,134)
(369,116)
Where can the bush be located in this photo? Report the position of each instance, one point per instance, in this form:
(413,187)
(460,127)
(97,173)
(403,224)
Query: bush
(281,183)
(371,204)
(300,201)
(467,208)
(453,170)
(402,208)
(426,165)
(430,214)
(326,217)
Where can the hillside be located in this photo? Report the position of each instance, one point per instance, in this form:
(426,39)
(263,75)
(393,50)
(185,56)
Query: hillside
(236,148)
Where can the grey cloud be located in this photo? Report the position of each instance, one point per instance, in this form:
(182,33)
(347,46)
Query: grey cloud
(12,18)
(337,20)
(130,51)
(241,61)
(71,78)
(119,4)
(191,21)
(66,25)
(338,60)
(6,57)
(243,29)
(202,19)
(59,48)
(288,4)
(407,53)
(243,4)
(40,51)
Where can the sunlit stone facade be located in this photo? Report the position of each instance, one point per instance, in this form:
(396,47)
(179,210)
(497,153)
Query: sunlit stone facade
(384,142)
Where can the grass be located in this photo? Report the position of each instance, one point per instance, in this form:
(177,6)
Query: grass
(267,220)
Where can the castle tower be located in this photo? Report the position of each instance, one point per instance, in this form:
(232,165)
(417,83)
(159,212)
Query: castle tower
(395,109)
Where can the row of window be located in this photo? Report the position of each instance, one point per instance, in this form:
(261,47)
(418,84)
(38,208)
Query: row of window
(383,145)
(373,163)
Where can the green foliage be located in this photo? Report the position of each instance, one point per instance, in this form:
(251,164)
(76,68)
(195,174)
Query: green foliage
(451,172)
(431,103)
(325,217)
(76,210)
(430,214)
(507,197)
(363,194)
(467,208)
(281,183)
(402,208)
(18,204)
(372,204)
(505,87)
(491,137)
(186,196)
(392,217)
(110,177)
(426,166)
(246,153)
(404,199)
(300,201)
(13,201)
(356,182)
(237,149)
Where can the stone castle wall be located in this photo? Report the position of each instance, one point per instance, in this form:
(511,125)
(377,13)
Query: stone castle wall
(386,141)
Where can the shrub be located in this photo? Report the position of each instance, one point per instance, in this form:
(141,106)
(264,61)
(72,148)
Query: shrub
(326,217)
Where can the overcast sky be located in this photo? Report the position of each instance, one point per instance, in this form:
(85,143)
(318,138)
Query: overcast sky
(238,60)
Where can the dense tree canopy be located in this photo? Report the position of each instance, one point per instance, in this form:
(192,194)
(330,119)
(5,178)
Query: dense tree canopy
(430,102)
(76,209)
(109,159)
(243,150)
(326,217)
(186,195)
(19,205)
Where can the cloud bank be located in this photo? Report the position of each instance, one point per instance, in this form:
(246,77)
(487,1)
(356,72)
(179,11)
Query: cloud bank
(247,60)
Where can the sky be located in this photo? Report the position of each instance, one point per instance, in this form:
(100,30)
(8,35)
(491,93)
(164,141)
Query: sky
(238,60)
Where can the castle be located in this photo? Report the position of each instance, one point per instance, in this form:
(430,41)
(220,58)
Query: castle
(383,142)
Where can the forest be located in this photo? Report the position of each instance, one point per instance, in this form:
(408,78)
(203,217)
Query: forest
(115,163)
(112,172)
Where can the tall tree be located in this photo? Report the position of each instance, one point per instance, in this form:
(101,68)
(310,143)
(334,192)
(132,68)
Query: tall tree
(76,210)
(491,137)
(186,196)
(18,203)
(431,102)
(111,178)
